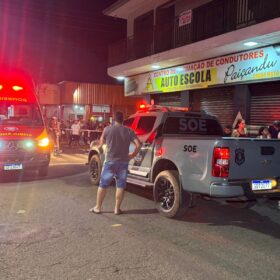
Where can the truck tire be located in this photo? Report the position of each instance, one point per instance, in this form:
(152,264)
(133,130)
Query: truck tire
(43,171)
(95,169)
(170,200)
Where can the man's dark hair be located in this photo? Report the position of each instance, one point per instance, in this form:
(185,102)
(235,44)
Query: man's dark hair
(118,116)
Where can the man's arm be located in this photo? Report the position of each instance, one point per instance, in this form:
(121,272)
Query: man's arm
(101,142)
(136,149)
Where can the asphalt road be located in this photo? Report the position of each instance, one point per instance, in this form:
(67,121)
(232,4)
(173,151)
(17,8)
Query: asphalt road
(47,232)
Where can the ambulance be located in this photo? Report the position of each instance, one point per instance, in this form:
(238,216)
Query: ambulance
(24,142)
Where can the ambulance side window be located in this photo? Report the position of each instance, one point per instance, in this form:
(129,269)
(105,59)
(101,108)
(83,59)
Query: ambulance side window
(145,125)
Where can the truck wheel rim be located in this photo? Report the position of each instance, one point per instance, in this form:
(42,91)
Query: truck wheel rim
(94,170)
(165,194)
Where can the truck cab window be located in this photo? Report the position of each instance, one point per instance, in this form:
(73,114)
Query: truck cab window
(128,122)
(145,125)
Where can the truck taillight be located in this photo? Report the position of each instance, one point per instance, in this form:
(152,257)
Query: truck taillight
(220,163)
(159,150)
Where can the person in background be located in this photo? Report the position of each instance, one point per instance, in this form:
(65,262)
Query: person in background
(240,129)
(264,133)
(54,131)
(85,134)
(227,131)
(75,136)
(274,129)
(117,138)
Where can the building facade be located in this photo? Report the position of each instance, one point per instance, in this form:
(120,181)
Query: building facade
(73,100)
(220,56)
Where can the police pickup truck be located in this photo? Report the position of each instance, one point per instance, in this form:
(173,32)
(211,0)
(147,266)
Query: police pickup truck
(184,155)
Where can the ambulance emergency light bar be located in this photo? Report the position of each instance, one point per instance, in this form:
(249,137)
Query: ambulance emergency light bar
(16,86)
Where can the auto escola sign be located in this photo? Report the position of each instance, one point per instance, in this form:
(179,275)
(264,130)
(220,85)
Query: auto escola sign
(253,65)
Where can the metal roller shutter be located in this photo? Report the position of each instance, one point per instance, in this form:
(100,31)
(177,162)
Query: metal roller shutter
(265,103)
(215,101)
(168,99)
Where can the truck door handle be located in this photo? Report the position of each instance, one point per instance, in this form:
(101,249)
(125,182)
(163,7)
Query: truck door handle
(267,151)
(146,144)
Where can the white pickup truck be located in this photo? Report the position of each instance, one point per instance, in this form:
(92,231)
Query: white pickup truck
(184,154)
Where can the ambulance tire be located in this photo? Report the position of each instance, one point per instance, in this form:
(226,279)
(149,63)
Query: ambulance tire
(95,169)
(171,201)
(43,171)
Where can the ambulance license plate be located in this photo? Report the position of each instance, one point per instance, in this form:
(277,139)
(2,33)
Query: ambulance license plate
(13,166)
(258,185)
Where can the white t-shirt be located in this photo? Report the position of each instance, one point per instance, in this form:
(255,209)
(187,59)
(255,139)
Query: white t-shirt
(75,129)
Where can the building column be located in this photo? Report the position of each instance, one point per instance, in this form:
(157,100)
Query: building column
(147,98)
(185,98)
(88,110)
(241,101)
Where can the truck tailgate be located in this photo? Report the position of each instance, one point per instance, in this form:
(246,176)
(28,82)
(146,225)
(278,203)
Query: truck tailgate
(253,158)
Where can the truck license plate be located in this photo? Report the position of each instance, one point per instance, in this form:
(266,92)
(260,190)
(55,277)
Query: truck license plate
(261,185)
(13,166)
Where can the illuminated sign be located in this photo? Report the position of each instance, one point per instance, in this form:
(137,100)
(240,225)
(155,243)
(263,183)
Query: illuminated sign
(185,18)
(254,65)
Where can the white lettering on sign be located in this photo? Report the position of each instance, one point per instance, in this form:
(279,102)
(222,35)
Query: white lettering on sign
(193,125)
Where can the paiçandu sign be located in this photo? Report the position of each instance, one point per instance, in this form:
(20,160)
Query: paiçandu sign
(253,65)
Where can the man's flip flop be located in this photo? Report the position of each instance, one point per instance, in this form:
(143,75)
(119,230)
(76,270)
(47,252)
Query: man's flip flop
(93,210)
(118,212)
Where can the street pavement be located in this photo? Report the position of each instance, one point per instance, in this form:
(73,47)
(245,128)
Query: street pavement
(47,232)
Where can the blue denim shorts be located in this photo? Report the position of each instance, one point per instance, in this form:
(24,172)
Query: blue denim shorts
(114,169)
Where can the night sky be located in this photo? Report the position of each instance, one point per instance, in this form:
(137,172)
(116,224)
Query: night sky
(58,40)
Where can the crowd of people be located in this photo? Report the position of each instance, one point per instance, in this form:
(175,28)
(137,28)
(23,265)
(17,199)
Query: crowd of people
(265,132)
(73,132)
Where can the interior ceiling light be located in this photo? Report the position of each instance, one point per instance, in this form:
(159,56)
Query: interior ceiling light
(155,66)
(250,44)
(120,78)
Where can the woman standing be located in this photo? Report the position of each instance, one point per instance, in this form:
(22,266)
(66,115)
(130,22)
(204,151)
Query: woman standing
(264,133)
(240,129)
(54,130)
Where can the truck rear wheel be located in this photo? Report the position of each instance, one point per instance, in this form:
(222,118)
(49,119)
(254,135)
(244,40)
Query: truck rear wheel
(95,169)
(171,201)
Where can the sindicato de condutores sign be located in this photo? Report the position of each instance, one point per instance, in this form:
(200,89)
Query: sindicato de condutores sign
(253,65)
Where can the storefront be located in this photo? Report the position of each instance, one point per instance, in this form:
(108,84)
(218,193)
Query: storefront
(265,103)
(94,101)
(49,99)
(245,83)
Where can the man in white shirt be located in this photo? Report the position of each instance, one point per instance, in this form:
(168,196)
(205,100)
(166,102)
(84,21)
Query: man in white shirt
(75,136)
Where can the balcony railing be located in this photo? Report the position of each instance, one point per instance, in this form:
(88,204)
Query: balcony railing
(215,18)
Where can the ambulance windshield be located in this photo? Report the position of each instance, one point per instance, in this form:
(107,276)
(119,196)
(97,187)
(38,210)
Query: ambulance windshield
(20,114)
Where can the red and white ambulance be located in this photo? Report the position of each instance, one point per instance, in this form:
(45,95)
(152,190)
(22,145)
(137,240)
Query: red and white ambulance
(24,142)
